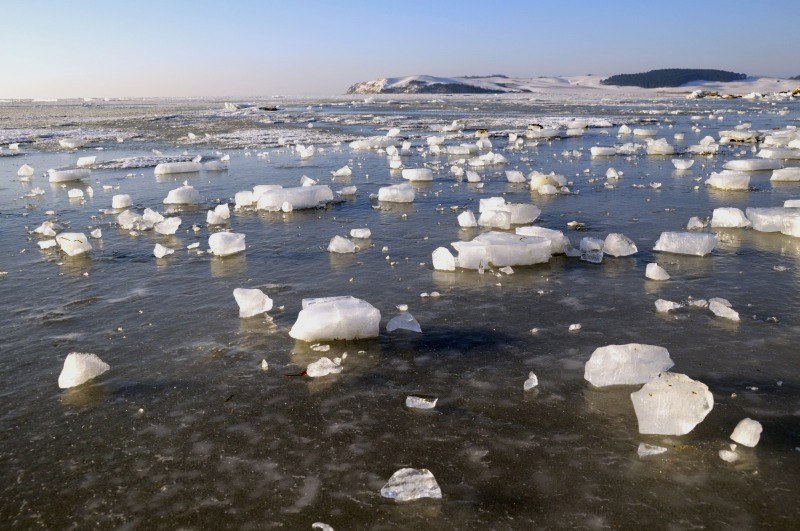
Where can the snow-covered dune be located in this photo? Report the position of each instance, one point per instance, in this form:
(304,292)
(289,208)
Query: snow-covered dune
(424,84)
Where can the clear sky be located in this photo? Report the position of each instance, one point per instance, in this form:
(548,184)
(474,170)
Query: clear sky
(83,48)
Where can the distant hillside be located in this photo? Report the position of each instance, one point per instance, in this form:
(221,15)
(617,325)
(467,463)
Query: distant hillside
(795,78)
(672,77)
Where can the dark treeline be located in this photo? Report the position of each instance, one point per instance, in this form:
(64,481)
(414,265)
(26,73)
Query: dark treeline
(671,77)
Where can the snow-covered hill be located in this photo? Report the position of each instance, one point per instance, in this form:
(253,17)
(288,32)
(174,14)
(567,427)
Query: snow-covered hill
(423,84)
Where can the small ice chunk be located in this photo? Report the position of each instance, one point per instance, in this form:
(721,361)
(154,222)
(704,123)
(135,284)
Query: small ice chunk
(417,174)
(219,216)
(619,245)
(409,484)
(65,176)
(421,402)
(348,191)
(531,382)
(665,306)
(671,404)
(251,302)
(226,243)
(80,368)
(96,234)
(47,228)
(151,216)
(752,165)
(720,309)
(515,176)
(629,364)
(443,259)
(467,219)
(341,245)
(729,180)
(695,223)
(574,327)
(336,318)
(323,367)
(47,244)
(120,201)
(699,244)
(747,432)
(86,162)
(185,195)
(160,251)
(362,234)
(559,243)
(647,450)
(397,193)
(656,272)
(603,151)
(25,171)
(71,143)
(168,226)
(729,217)
(404,321)
(177,167)
(729,456)
(73,243)
(791,174)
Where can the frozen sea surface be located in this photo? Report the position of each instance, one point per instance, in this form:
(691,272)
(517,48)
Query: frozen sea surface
(187,431)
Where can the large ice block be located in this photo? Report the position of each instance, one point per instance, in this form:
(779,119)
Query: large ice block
(336,318)
(699,244)
(629,364)
(672,404)
(299,197)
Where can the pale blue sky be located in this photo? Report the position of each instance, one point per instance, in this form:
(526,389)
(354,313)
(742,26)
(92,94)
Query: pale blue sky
(115,48)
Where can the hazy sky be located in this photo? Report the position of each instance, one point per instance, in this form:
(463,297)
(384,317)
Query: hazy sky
(115,48)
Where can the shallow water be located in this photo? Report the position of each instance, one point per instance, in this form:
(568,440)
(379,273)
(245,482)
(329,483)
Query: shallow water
(186,430)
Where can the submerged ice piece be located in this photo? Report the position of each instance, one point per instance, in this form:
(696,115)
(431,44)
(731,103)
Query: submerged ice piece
(699,244)
(397,193)
(166,168)
(323,367)
(404,321)
(729,180)
(185,195)
(409,484)
(65,176)
(226,243)
(251,302)
(73,243)
(80,368)
(332,318)
(629,364)
(672,404)
(299,197)
(502,249)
